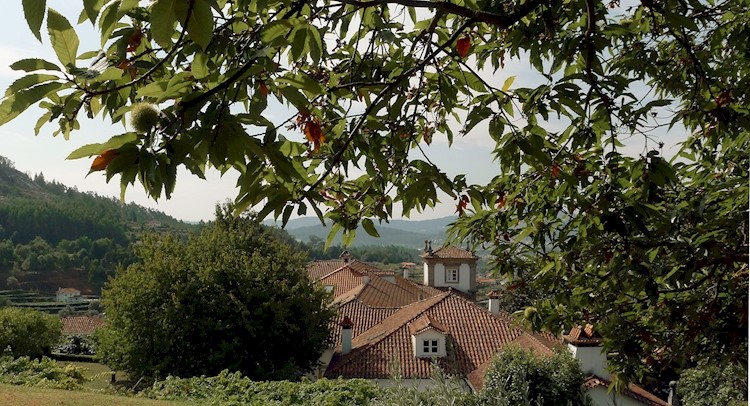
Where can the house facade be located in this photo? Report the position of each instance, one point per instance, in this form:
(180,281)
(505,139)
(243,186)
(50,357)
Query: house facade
(68,295)
(388,326)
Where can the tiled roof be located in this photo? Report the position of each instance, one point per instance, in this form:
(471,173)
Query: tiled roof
(632,391)
(81,324)
(343,280)
(583,336)
(362,316)
(378,292)
(318,269)
(474,336)
(423,323)
(68,290)
(450,252)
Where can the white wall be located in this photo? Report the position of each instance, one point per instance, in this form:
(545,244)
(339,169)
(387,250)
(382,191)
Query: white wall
(429,334)
(422,384)
(592,359)
(600,396)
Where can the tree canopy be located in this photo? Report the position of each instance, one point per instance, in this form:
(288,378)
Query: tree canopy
(653,250)
(235,297)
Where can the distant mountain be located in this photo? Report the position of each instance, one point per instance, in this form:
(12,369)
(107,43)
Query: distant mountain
(407,233)
(34,207)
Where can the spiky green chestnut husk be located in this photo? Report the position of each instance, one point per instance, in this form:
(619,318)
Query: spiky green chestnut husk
(143,117)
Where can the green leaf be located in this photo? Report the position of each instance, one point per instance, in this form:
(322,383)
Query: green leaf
(95,149)
(163,20)
(63,37)
(199,67)
(331,234)
(16,104)
(315,45)
(293,96)
(29,81)
(91,9)
(34,64)
(108,21)
(33,10)
(201,23)
(369,227)
(508,83)
(276,31)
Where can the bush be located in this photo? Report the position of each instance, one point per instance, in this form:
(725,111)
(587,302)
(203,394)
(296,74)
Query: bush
(231,388)
(40,372)
(75,345)
(235,297)
(519,377)
(28,332)
(713,385)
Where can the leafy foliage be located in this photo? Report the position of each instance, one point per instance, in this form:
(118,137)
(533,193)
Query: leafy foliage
(519,377)
(634,243)
(231,388)
(713,385)
(234,298)
(27,332)
(43,372)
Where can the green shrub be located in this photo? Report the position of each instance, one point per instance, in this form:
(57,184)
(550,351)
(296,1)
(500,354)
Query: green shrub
(26,332)
(713,385)
(231,388)
(43,372)
(519,377)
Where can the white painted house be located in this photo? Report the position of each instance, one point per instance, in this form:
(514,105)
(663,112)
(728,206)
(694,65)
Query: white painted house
(585,344)
(68,295)
(450,267)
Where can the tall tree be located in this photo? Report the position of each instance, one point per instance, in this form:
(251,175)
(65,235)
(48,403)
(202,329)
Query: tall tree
(236,297)
(653,251)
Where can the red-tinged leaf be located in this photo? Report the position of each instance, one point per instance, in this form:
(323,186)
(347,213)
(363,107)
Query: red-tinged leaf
(102,161)
(134,40)
(500,202)
(312,130)
(555,169)
(463,45)
(262,88)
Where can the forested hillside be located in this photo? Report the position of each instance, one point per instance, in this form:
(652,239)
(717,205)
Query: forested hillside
(47,227)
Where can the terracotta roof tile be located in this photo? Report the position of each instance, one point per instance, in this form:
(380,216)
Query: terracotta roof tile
(363,317)
(318,268)
(68,290)
(633,391)
(81,324)
(378,292)
(474,336)
(423,323)
(449,252)
(583,336)
(343,280)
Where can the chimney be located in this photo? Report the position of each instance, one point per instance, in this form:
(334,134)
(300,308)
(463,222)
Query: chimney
(585,344)
(493,304)
(346,335)
(673,400)
(406,271)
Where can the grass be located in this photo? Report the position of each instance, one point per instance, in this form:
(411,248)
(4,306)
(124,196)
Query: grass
(99,374)
(12,395)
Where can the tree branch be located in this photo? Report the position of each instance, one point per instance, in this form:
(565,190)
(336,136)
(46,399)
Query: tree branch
(499,20)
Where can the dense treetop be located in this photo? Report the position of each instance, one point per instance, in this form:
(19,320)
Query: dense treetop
(652,250)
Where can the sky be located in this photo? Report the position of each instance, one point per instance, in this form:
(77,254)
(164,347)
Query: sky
(194,199)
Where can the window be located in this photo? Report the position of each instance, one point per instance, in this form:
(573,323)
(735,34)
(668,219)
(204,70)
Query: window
(430,346)
(451,275)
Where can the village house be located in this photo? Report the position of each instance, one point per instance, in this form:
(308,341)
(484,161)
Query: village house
(389,326)
(68,295)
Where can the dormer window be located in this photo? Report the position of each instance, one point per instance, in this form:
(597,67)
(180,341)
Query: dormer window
(430,346)
(451,275)
(428,337)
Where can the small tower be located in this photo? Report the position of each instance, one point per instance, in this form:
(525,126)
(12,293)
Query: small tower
(450,267)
